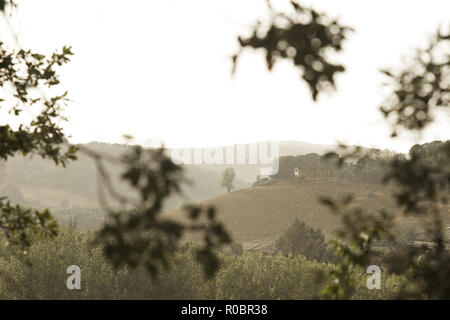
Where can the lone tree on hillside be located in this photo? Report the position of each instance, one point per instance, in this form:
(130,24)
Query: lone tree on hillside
(227,178)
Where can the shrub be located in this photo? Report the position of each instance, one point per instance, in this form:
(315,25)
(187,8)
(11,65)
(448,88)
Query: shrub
(304,240)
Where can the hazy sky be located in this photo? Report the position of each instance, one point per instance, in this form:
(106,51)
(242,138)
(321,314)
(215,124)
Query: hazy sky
(161,70)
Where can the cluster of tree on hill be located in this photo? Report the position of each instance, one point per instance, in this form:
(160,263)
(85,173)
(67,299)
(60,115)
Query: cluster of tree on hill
(300,239)
(372,168)
(430,153)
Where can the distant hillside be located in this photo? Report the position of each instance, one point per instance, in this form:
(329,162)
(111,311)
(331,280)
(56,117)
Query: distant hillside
(43,184)
(263,213)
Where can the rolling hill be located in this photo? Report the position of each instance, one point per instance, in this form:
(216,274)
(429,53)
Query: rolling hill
(260,214)
(43,184)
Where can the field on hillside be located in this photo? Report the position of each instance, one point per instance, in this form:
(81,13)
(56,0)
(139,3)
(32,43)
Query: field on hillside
(263,213)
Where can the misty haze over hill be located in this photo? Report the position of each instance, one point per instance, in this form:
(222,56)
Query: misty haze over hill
(45,185)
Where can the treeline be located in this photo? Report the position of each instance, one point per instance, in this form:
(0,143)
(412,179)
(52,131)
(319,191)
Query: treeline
(368,169)
(372,167)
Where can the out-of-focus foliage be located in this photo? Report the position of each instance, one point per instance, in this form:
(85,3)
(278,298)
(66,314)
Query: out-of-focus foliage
(424,188)
(4,4)
(23,225)
(142,236)
(306,241)
(353,245)
(304,37)
(424,177)
(23,74)
(422,180)
(131,238)
(420,87)
(12,192)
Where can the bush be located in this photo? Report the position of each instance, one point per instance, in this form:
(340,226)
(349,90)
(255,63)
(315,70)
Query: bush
(304,240)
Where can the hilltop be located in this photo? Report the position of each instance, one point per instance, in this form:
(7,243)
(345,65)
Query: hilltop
(43,184)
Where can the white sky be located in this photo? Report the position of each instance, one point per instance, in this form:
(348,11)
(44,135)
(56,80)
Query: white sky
(161,70)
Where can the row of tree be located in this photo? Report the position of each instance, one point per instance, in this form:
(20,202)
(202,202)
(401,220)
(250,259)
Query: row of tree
(370,168)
